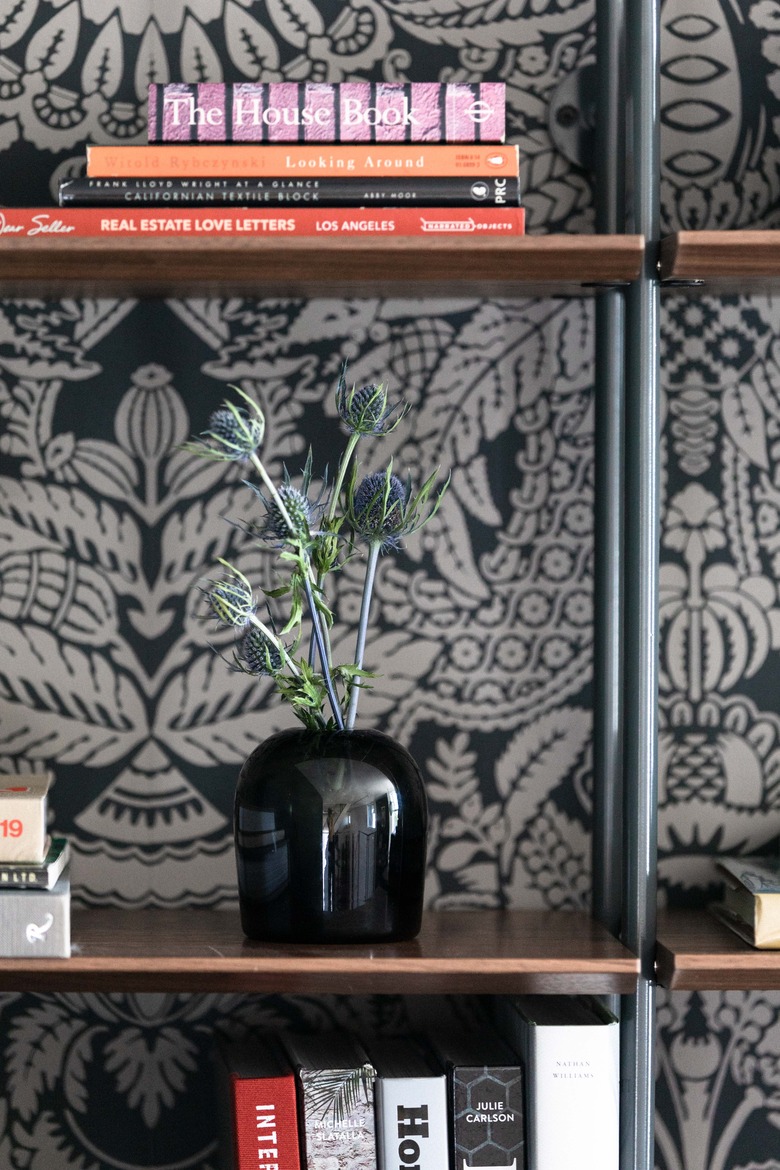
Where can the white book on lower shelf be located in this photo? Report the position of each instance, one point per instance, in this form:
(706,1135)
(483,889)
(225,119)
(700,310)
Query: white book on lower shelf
(35,923)
(570,1047)
(410,1096)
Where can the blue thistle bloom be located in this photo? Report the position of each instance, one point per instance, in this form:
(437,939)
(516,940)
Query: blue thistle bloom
(257,654)
(379,509)
(299,510)
(234,432)
(366,411)
(231,602)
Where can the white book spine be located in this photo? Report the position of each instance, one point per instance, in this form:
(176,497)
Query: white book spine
(574,1097)
(36,923)
(411,1116)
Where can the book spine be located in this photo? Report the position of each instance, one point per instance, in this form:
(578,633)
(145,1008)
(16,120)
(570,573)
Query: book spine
(342,1137)
(275,161)
(22,875)
(488,1117)
(265,1123)
(349,111)
(132,223)
(36,922)
(573,1073)
(22,823)
(412,1124)
(488,191)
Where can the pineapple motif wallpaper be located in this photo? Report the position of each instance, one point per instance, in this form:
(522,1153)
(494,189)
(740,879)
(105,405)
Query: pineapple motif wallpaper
(482,625)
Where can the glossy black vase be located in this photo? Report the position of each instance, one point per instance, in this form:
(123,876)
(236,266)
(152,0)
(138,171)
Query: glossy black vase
(330,831)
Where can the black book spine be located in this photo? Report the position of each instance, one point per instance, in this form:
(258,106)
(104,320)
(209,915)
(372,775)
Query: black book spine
(326,192)
(488,1117)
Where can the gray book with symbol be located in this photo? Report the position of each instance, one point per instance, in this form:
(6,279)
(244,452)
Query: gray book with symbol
(35,923)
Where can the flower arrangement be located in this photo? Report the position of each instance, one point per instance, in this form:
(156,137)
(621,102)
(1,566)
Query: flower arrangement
(312,529)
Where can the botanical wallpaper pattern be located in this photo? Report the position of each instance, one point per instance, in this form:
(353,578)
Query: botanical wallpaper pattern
(482,626)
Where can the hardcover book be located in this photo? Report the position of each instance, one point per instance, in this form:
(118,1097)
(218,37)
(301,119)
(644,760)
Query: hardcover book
(23,803)
(36,922)
(21,875)
(258,1107)
(488,191)
(486,1104)
(411,1107)
(288,222)
(172,160)
(751,899)
(349,111)
(571,1056)
(336,1081)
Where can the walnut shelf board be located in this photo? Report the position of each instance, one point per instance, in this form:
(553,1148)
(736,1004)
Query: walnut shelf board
(148,266)
(457,952)
(739,261)
(696,952)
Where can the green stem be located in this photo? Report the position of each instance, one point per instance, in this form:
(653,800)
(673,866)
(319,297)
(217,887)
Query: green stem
(360,646)
(342,471)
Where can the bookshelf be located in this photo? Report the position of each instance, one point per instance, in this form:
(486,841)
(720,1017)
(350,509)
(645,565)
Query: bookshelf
(456,952)
(718,262)
(696,952)
(220,266)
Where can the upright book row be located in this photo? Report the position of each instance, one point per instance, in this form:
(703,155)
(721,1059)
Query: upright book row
(352,157)
(545,1098)
(34,873)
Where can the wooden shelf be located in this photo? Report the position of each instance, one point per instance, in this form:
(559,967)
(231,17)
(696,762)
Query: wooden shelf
(696,952)
(452,266)
(466,952)
(728,261)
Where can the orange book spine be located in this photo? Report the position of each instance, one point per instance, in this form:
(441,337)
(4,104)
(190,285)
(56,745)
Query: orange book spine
(245,161)
(134,223)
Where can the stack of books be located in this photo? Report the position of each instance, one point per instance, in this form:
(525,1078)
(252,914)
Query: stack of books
(309,159)
(469,1101)
(34,873)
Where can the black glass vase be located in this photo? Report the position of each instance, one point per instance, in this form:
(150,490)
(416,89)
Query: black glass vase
(331,833)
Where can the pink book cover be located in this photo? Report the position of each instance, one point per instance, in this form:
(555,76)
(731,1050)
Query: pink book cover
(349,111)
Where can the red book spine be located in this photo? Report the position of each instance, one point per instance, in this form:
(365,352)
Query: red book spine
(265,1123)
(321,112)
(391,160)
(131,223)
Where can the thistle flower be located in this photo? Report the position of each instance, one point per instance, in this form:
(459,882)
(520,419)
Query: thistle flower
(366,411)
(379,509)
(290,515)
(231,601)
(258,654)
(306,528)
(234,432)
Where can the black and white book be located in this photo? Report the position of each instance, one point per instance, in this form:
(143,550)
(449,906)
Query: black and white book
(36,923)
(22,875)
(336,1080)
(486,1101)
(571,1053)
(411,1106)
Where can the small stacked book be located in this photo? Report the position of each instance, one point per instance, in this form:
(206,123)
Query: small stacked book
(751,899)
(302,158)
(34,873)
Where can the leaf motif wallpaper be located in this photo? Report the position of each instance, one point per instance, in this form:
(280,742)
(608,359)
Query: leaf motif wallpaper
(482,626)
